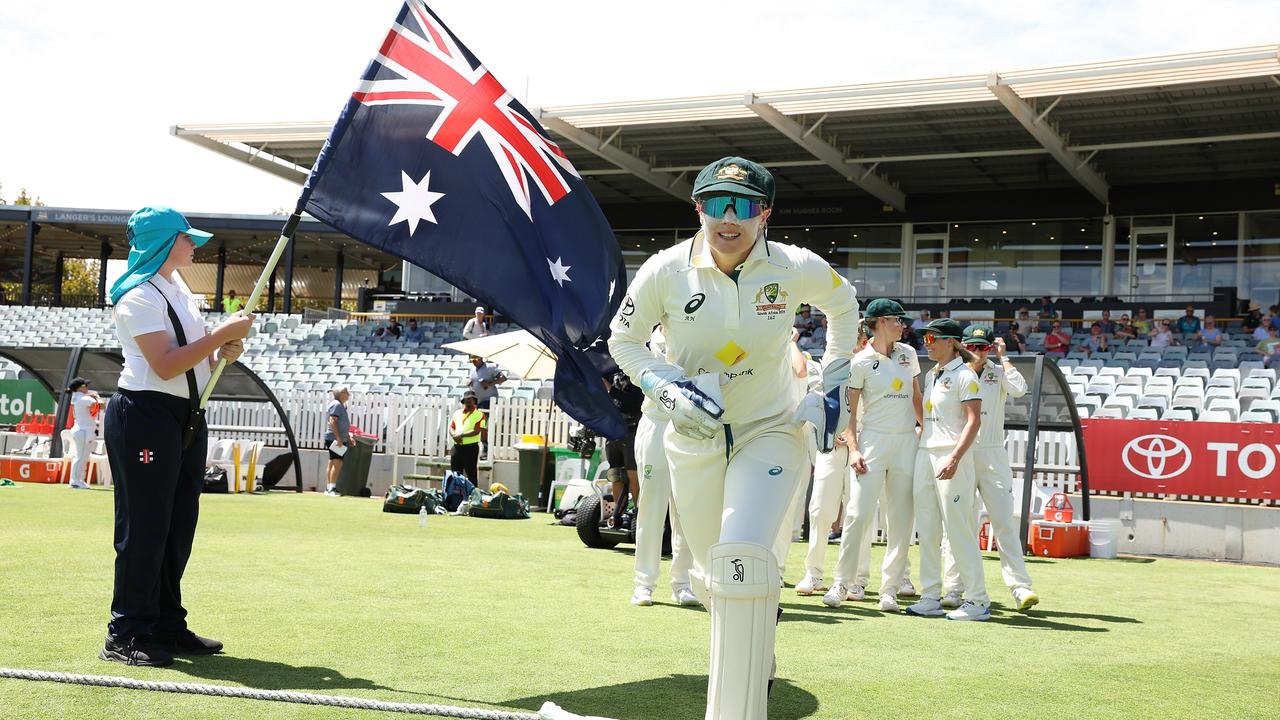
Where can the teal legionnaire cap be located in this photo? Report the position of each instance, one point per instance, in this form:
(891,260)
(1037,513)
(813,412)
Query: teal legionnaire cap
(151,232)
(943,328)
(977,335)
(737,176)
(884,307)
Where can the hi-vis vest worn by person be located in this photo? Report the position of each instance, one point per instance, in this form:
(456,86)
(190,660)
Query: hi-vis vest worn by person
(740,328)
(995,383)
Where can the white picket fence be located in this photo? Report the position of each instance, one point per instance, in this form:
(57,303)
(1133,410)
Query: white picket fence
(404,424)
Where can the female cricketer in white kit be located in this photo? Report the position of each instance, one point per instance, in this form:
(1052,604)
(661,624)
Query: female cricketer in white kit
(655,504)
(726,299)
(944,476)
(882,380)
(997,381)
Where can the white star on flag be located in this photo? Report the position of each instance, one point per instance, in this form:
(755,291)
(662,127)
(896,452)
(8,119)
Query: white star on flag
(413,201)
(559,273)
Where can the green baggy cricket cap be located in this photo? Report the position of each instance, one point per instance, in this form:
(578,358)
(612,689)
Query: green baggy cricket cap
(977,335)
(943,328)
(735,176)
(884,307)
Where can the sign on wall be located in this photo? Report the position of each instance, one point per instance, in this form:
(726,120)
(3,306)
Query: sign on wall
(19,397)
(1240,460)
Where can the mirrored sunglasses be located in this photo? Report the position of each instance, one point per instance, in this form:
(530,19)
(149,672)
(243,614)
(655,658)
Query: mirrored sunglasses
(743,208)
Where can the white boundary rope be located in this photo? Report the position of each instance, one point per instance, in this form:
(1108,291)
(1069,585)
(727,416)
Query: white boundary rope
(549,710)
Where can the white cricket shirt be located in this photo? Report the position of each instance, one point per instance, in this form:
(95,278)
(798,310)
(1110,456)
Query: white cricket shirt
(944,394)
(996,384)
(887,384)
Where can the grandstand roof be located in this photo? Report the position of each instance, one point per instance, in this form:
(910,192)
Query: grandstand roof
(1191,117)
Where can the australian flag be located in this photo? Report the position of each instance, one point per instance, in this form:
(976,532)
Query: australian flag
(434,161)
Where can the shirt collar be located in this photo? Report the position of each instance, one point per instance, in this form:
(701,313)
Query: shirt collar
(956,362)
(700,253)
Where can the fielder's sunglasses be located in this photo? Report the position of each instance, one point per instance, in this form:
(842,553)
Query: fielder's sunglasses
(931,338)
(743,208)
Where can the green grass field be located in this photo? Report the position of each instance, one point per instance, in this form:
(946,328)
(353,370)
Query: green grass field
(330,595)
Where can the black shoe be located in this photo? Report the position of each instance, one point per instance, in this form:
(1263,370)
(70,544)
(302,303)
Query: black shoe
(188,643)
(135,651)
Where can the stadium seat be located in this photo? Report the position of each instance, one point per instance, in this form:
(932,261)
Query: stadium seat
(1122,402)
(1089,403)
(1084,371)
(1178,413)
(1144,413)
(1230,405)
(1250,395)
(1159,402)
(1169,372)
(1223,381)
(1259,416)
(1113,412)
(1269,405)
(1133,380)
(1133,391)
(1112,371)
(1196,372)
(1192,364)
(1215,416)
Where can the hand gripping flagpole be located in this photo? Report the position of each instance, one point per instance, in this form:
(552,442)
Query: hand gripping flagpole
(282,242)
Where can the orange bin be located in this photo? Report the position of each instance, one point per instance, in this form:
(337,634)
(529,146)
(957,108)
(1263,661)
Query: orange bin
(1060,540)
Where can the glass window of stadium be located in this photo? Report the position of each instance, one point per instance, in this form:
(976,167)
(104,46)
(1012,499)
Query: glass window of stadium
(1021,259)
(1261,262)
(870,257)
(1166,256)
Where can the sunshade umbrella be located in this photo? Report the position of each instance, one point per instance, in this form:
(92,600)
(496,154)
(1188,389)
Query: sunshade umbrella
(518,351)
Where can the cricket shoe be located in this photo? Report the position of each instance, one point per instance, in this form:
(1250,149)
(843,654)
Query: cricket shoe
(810,585)
(970,610)
(643,596)
(889,603)
(907,589)
(838,593)
(78,485)
(1025,598)
(952,599)
(684,597)
(134,651)
(857,592)
(927,607)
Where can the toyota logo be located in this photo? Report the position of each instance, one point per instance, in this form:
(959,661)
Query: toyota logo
(1160,457)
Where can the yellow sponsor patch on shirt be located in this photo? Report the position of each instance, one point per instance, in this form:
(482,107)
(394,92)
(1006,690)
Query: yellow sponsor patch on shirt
(973,387)
(835,279)
(731,354)
(897,384)
(928,406)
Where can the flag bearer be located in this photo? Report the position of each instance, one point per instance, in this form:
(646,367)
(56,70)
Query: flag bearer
(726,299)
(157,465)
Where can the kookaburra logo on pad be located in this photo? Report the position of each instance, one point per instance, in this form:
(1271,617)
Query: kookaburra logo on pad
(739,572)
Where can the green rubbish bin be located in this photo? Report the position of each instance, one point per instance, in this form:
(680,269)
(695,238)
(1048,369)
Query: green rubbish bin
(563,455)
(533,459)
(354,477)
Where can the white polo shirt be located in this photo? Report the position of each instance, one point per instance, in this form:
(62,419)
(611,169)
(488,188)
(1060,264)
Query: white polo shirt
(740,329)
(887,384)
(996,384)
(943,413)
(142,311)
(82,409)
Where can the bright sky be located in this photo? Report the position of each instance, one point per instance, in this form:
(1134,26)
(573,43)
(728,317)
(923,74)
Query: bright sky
(91,88)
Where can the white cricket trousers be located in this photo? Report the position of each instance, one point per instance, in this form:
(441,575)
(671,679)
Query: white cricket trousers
(947,505)
(80,440)
(655,505)
(890,459)
(736,487)
(995,487)
(830,487)
(793,522)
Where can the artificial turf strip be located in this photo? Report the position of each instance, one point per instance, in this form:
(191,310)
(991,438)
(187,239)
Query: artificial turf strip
(330,595)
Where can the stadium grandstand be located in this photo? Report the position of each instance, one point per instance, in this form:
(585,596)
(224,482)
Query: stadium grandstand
(1147,184)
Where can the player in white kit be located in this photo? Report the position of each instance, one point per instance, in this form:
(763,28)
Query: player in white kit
(726,299)
(997,381)
(882,381)
(944,476)
(83,401)
(655,505)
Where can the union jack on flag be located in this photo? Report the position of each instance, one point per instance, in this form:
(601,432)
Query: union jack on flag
(432,160)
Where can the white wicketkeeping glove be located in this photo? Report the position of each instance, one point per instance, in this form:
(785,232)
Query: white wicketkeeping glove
(695,407)
(827,410)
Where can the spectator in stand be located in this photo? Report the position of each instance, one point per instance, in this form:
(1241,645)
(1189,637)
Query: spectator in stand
(910,337)
(1252,317)
(1125,329)
(413,333)
(1269,348)
(476,327)
(395,329)
(817,340)
(1211,337)
(1047,311)
(1263,331)
(1023,322)
(1057,341)
(1095,341)
(921,321)
(1016,341)
(1141,325)
(1162,335)
(231,303)
(380,331)
(1274,313)
(1108,325)
(1189,326)
(804,320)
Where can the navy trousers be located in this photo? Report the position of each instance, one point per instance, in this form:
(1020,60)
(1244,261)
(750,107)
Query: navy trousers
(157,503)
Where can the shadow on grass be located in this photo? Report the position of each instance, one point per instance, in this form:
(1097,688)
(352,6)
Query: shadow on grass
(270,675)
(1051,620)
(820,613)
(673,696)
